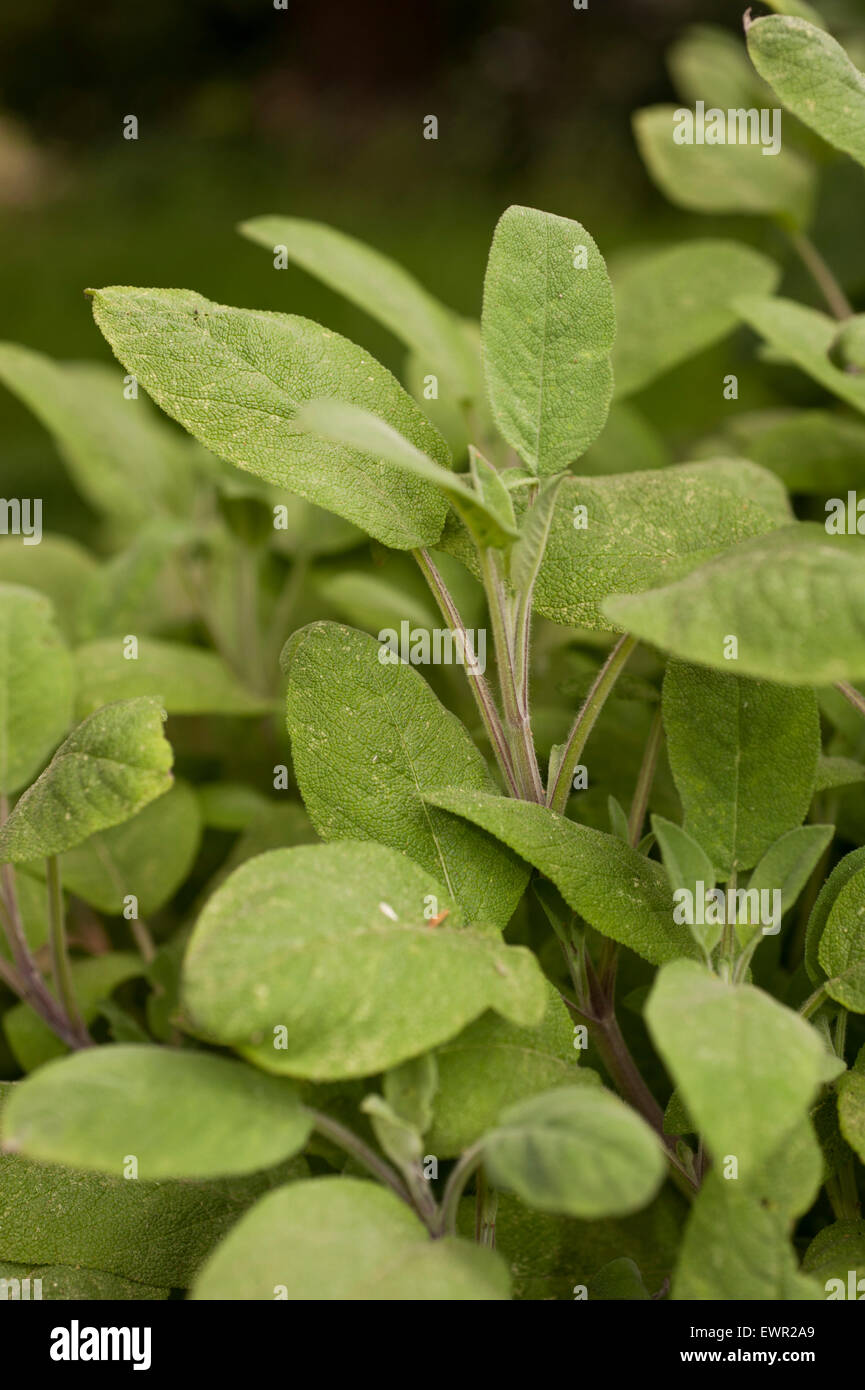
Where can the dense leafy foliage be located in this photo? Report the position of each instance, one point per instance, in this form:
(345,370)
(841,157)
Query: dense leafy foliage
(431,840)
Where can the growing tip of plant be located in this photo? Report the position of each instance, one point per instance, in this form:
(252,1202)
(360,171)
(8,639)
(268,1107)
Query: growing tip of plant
(747,21)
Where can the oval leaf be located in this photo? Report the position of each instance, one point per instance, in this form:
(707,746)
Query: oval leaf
(376,1249)
(180,1114)
(108,768)
(673,303)
(747,1067)
(579,1151)
(547,329)
(813,77)
(122,457)
(301,948)
(722,178)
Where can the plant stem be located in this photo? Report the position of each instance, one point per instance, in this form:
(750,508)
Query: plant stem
(486,1204)
(24,977)
(517,727)
(558,793)
(843,1194)
(646,777)
(352,1144)
(852,695)
(455,1187)
(60,951)
(479,688)
(822,275)
(285,605)
(741,967)
(143,939)
(813,1002)
(249,629)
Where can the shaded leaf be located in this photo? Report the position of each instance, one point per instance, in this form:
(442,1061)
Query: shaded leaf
(65,1284)
(835,1252)
(123,459)
(187,680)
(804,337)
(36,685)
(673,303)
(723,178)
(842,945)
(841,875)
(148,856)
(493,1064)
(93,980)
(57,567)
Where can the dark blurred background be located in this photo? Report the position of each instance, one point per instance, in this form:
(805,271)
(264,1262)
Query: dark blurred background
(315,110)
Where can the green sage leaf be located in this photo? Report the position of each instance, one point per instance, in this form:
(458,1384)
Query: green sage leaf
(547,329)
(814,78)
(122,457)
(111,766)
(793,601)
(621,893)
(178,1113)
(369,738)
(747,1067)
(842,945)
(300,948)
(491,1065)
(36,685)
(348,425)
(723,178)
(235,379)
(733,1248)
(805,337)
(376,1250)
(744,756)
(186,680)
(577,1150)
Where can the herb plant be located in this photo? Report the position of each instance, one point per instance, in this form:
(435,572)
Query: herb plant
(540,976)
